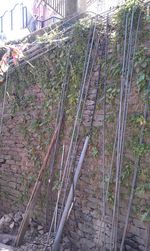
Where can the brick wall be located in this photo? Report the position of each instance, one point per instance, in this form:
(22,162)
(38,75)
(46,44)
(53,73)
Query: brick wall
(85,225)
(16,165)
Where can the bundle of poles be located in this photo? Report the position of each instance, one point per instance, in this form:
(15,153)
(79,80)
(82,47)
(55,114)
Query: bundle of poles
(130,43)
(69,168)
(130,34)
(38,50)
(68,185)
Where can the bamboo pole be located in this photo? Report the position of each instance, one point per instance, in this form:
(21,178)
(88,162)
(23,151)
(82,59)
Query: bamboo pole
(70,197)
(35,192)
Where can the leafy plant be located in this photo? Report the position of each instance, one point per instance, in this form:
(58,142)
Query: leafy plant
(141,149)
(142,68)
(126,172)
(94,151)
(111,94)
(143,188)
(110,197)
(137,119)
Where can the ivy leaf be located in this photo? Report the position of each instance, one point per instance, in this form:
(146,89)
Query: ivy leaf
(141,77)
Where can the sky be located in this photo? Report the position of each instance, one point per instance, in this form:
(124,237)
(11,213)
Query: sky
(8,4)
(17,31)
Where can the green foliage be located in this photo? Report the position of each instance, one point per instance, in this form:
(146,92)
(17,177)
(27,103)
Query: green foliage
(141,149)
(143,212)
(1,92)
(137,120)
(142,68)
(141,189)
(110,197)
(94,151)
(109,146)
(146,215)
(49,72)
(126,172)
(120,20)
(111,94)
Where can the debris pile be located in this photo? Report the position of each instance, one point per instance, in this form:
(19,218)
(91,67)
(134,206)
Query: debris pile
(35,238)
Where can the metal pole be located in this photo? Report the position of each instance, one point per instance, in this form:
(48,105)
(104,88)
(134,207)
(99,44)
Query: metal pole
(70,197)
(4,102)
(11,19)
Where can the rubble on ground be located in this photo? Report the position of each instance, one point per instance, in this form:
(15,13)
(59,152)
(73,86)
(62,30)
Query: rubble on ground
(35,238)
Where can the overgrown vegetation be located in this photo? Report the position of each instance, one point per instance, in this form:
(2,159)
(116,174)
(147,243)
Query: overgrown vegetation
(141,93)
(49,73)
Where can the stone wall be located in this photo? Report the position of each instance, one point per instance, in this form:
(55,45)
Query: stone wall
(16,165)
(86,227)
(85,221)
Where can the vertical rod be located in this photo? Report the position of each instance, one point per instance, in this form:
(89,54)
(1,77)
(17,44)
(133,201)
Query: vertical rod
(23,26)
(70,197)
(4,102)
(11,19)
(1,24)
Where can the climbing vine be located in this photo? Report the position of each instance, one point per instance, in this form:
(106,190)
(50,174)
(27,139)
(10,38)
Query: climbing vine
(39,112)
(141,91)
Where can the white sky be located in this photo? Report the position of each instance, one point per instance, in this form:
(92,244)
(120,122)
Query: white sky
(17,18)
(8,4)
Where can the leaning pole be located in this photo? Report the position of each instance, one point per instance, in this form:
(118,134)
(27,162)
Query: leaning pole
(70,197)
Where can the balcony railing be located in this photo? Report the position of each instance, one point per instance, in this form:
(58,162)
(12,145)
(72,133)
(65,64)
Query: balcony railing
(57,5)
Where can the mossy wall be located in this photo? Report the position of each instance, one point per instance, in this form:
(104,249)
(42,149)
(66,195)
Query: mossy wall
(34,94)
